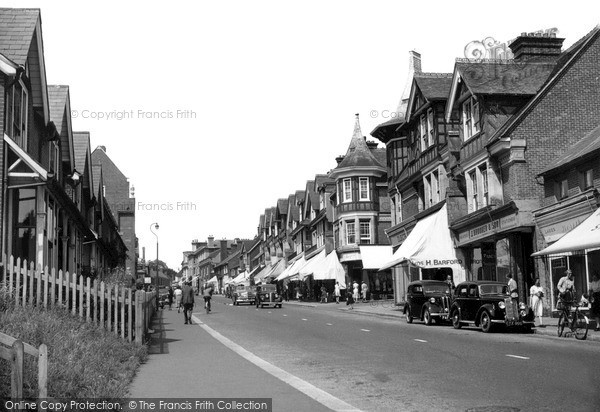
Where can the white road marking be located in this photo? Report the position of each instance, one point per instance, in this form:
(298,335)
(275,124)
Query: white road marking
(518,357)
(420,340)
(308,389)
(304,319)
(329,324)
(284,315)
(365,330)
(269,312)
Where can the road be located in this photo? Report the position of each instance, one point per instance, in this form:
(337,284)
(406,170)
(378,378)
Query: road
(379,364)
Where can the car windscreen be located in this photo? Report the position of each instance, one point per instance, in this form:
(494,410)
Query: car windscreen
(436,288)
(268,288)
(493,289)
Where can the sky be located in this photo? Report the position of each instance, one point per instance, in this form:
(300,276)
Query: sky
(214,110)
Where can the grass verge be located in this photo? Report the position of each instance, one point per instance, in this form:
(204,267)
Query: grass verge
(84,361)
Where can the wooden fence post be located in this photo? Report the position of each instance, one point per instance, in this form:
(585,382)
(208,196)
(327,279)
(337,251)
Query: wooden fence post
(74,294)
(46,278)
(81,296)
(95,299)
(23,271)
(53,286)
(123,322)
(88,300)
(102,298)
(17,370)
(4,274)
(116,310)
(18,280)
(11,269)
(31,275)
(129,316)
(43,371)
(38,282)
(109,307)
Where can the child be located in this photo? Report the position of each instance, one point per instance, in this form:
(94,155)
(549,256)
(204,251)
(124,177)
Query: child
(350,300)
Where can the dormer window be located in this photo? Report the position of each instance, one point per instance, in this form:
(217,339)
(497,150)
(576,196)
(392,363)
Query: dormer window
(470,115)
(16,114)
(364,188)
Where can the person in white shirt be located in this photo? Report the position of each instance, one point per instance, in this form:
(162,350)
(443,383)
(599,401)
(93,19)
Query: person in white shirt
(536,293)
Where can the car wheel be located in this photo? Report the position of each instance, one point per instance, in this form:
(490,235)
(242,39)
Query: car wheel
(456,320)
(408,315)
(279,306)
(427,317)
(485,322)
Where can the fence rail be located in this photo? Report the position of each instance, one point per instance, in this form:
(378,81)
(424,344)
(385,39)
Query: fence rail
(119,310)
(14,351)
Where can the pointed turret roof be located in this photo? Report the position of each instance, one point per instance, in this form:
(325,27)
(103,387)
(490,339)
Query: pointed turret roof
(358,154)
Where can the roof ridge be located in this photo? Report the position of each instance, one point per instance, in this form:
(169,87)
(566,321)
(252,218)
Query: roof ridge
(434,75)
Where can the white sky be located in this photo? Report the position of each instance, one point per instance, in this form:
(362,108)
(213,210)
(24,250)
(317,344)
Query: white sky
(274,86)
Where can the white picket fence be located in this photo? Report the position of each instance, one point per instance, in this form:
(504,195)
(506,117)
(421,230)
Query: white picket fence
(120,310)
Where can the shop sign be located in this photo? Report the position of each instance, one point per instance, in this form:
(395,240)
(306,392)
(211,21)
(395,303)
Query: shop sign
(347,257)
(554,232)
(488,229)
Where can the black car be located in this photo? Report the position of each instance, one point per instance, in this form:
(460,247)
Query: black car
(487,303)
(427,300)
(266,295)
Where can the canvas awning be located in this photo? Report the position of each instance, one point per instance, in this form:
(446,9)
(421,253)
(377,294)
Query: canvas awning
(214,279)
(429,245)
(260,274)
(313,264)
(273,272)
(240,278)
(375,256)
(584,236)
(331,269)
(293,269)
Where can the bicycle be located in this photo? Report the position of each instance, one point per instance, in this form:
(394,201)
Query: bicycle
(207,304)
(384,302)
(576,321)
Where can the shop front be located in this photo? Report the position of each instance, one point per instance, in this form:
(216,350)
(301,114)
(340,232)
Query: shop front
(496,242)
(573,238)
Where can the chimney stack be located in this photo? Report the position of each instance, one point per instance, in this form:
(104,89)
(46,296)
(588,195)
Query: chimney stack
(211,241)
(339,159)
(224,251)
(527,46)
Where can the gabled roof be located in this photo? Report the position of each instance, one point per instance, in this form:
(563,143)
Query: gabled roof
(294,205)
(60,114)
(309,195)
(282,206)
(385,131)
(83,159)
(99,156)
(590,144)
(565,61)
(380,154)
(434,86)
(261,221)
(358,154)
(16,32)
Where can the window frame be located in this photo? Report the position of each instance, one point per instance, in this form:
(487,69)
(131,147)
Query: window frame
(588,178)
(363,239)
(348,233)
(430,129)
(367,191)
(346,191)
(474,189)
(470,118)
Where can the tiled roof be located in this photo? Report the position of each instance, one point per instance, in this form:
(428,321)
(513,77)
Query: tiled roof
(16,32)
(261,221)
(380,154)
(434,86)
(385,131)
(295,209)
(81,144)
(96,173)
(358,154)
(588,144)
(282,206)
(57,98)
(312,194)
(505,77)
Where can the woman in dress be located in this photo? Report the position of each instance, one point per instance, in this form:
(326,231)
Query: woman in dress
(594,290)
(355,292)
(536,292)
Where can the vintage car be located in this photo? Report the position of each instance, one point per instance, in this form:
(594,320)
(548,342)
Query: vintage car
(244,293)
(487,303)
(427,300)
(266,295)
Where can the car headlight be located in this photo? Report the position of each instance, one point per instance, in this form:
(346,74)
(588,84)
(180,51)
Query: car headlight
(522,306)
(501,305)
(432,300)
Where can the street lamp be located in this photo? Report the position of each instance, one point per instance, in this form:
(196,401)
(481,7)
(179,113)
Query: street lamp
(156,227)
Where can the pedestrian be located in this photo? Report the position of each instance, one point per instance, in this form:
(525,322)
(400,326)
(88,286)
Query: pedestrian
(512,288)
(355,295)
(177,294)
(536,293)
(364,289)
(350,300)
(170,297)
(187,300)
(337,292)
(450,283)
(594,291)
(207,293)
(323,294)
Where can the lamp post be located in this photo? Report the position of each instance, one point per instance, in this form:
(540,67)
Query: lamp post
(156,227)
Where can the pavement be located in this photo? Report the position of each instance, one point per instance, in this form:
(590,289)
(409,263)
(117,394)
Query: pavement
(386,309)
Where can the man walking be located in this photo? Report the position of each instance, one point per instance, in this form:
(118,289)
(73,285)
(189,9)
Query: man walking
(187,300)
(207,295)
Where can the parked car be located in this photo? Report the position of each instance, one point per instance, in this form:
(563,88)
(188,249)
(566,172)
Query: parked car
(487,303)
(266,295)
(427,300)
(244,293)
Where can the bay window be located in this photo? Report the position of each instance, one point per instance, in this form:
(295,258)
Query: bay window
(364,188)
(350,233)
(365,232)
(347,188)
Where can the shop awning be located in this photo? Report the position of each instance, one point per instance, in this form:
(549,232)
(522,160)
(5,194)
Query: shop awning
(375,256)
(585,236)
(261,274)
(213,280)
(273,272)
(313,264)
(331,269)
(240,278)
(429,245)
(293,269)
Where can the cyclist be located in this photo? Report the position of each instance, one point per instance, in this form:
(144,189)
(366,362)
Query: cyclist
(566,287)
(207,295)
